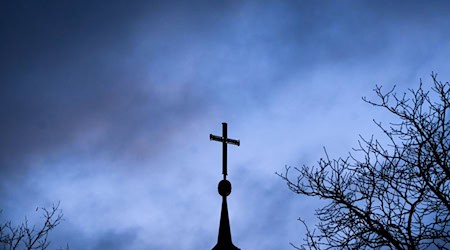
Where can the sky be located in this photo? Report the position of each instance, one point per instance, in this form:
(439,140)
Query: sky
(107,107)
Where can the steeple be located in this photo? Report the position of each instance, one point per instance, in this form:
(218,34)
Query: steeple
(224,241)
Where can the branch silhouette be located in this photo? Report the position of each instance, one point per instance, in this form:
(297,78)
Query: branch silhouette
(24,236)
(393,195)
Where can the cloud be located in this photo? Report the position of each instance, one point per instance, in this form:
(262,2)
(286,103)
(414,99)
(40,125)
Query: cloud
(108,107)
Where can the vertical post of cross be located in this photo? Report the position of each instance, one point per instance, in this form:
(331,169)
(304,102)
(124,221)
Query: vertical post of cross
(224,149)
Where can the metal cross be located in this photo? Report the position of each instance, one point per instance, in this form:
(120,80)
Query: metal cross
(225,140)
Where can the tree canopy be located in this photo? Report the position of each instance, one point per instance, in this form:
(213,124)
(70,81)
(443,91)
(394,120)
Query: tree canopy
(28,237)
(392,193)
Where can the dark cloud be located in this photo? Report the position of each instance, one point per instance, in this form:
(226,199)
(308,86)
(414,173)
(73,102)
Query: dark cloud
(87,84)
(67,72)
(114,240)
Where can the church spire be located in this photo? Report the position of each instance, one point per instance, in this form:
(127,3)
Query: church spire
(224,241)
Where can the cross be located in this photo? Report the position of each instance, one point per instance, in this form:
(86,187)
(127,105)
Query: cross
(225,140)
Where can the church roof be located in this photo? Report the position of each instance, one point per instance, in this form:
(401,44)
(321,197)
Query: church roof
(224,241)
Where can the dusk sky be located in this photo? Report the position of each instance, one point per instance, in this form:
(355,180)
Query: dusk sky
(107,107)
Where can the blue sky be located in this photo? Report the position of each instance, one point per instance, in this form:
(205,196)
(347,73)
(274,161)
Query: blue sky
(107,107)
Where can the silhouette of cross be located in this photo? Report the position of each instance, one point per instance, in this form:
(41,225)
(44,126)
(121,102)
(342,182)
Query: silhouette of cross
(225,140)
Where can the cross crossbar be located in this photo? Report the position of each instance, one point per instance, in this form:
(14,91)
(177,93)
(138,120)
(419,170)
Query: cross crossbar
(225,140)
(220,139)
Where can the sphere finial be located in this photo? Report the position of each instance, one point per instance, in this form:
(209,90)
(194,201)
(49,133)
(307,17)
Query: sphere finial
(224,188)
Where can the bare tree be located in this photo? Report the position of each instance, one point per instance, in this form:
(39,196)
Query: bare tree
(392,195)
(29,237)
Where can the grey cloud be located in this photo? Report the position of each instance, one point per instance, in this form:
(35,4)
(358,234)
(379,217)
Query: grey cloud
(84,79)
(87,83)
(114,240)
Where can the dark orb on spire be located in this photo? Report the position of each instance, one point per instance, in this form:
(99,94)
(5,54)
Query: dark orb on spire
(224,188)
